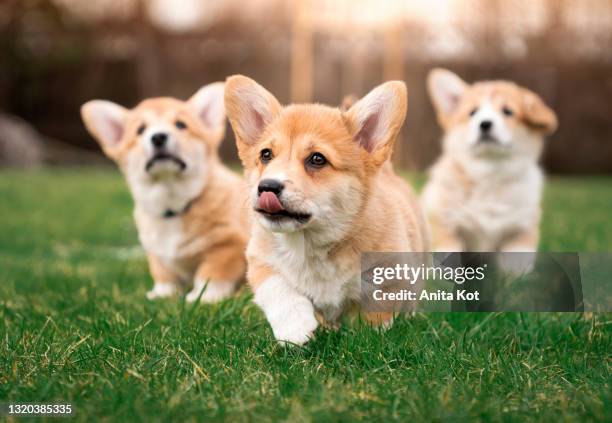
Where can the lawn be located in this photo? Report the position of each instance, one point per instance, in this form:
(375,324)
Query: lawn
(75,327)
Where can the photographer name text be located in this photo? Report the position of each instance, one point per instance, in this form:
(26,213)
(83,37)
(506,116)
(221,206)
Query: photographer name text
(424,295)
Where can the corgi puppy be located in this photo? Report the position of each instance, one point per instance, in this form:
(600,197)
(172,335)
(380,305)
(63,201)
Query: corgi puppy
(189,208)
(484,192)
(322,191)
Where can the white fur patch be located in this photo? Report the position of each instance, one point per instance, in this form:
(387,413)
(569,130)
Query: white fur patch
(215,291)
(518,264)
(499,130)
(162,290)
(154,196)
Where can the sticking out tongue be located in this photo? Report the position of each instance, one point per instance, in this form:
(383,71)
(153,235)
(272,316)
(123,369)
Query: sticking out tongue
(268,202)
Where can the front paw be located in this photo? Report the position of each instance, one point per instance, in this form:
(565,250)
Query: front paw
(162,290)
(213,291)
(295,329)
(290,314)
(517,264)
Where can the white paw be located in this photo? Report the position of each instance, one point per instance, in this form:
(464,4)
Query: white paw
(296,330)
(213,291)
(517,264)
(162,290)
(290,314)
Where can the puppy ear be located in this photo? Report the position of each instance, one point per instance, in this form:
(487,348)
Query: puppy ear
(377,118)
(105,121)
(209,106)
(445,89)
(537,114)
(348,101)
(250,109)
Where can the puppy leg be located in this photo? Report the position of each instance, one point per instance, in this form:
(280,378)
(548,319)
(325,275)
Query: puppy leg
(383,319)
(526,241)
(166,282)
(445,238)
(524,246)
(290,314)
(218,275)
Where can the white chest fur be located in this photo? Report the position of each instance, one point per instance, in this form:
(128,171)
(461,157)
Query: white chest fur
(166,237)
(160,236)
(155,197)
(499,204)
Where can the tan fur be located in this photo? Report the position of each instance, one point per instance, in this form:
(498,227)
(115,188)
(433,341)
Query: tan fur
(379,211)
(486,197)
(347,102)
(204,244)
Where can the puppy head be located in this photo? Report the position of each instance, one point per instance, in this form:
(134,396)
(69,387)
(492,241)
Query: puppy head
(310,166)
(489,119)
(160,138)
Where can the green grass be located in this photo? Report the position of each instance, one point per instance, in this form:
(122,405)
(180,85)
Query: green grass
(75,327)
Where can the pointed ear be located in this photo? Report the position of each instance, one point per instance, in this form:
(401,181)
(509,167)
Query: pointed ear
(445,89)
(377,118)
(250,109)
(537,114)
(209,106)
(348,101)
(105,121)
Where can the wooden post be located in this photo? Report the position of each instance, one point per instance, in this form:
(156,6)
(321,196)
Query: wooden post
(393,68)
(301,53)
(148,63)
(393,65)
(353,68)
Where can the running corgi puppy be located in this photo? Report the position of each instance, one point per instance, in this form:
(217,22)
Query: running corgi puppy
(322,191)
(484,192)
(189,208)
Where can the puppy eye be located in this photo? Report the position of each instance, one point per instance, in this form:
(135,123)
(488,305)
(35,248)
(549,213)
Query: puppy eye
(180,124)
(316,160)
(507,111)
(474,111)
(141,129)
(265,155)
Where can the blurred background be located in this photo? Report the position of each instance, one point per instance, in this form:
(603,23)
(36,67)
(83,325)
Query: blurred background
(57,54)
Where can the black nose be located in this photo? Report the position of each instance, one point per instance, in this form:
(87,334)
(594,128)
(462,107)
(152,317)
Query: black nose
(159,139)
(486,125)
(271,185)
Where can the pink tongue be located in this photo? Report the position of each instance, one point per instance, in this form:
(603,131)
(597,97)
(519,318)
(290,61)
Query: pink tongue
(268,201)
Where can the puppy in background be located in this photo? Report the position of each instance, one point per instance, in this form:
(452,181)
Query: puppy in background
(484,192)
(322,191)
(189,208)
